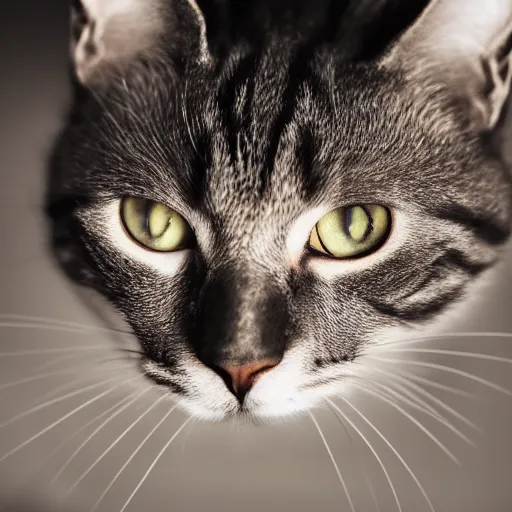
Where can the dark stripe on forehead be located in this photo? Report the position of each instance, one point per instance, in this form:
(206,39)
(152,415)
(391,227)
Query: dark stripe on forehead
(485,228)
(306,153)
(195,181)
(229,93)
(300,74)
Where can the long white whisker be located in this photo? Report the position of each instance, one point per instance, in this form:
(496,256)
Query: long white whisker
(402,392)
(132,456)
(407,380)
(96,431)
(427,382)
(333,460)
(20,321)
(59,360)
(360,463)
(446,369)
(438,337)
(34,378)
(84,377)
(115,443)
(409,394)
(26,353)
(155,462)
(393,449)
(471,355)
(405,395)
(375,454)
(46,327)
(79,431)
(54,401)
(411,418)
(443,421)
(58,422)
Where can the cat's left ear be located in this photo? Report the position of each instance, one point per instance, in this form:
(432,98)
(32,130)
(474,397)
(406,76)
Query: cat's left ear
(108,35)
(466,44)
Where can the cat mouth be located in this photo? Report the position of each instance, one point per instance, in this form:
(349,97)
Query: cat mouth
(206,395)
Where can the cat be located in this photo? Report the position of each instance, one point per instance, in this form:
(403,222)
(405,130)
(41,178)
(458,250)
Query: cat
(261,188)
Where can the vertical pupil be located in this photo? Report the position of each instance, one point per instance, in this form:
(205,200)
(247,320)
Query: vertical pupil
(349,214)
(160,219)
(146,210)
(357,225)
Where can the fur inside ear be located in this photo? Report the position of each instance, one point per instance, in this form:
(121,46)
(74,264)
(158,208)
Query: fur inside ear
(466,44)
(107,33)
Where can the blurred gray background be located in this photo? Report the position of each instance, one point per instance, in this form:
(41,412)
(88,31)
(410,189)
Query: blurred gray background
(207,467)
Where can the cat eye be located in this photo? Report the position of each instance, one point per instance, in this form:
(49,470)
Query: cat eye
(155,226)
(351,231)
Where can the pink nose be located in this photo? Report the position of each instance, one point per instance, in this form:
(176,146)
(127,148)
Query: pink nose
(244,377)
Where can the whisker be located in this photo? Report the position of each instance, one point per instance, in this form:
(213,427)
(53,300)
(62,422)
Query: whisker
(430,383)
(26,353)
(374,452)
(60,360)
(410,395)
(333,460)
(132,456)
(440,336)
(393,449)
(155,462)
(407,380)
(132,351)
(411,418)
(85,376)
(34,378)
(446,369)
(471,355)
(97,430)
(58,422)
(54,401)
(407,396)
(422,380)
(403,393)
(45,327)
(360,463)
(76,434)
(443,421)
(16,320)
(115,443)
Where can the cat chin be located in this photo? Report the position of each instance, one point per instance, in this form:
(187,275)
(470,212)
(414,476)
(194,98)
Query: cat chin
(257,411)
(265,404)
(253,411)
(281,395)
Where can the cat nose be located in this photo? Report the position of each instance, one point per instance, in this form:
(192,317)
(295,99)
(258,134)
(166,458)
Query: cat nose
(240,379)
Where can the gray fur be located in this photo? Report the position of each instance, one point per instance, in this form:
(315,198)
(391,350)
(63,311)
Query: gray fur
(243,144)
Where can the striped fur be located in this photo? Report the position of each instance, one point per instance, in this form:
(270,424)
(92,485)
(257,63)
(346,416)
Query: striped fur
(246,143)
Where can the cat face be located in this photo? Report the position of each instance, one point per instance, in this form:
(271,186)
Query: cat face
(260,215)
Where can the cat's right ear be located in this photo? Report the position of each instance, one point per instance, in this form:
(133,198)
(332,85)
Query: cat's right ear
(107,35)
(467,44)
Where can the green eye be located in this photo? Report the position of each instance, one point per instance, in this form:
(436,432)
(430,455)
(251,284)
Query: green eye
(155,226)
(351,231)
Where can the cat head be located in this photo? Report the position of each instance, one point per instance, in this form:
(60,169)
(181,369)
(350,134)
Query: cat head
(259,209)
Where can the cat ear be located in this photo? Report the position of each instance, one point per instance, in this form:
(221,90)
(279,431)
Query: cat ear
(108,34)
(468,45)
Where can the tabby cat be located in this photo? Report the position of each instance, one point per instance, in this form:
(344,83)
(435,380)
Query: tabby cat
(262,188)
